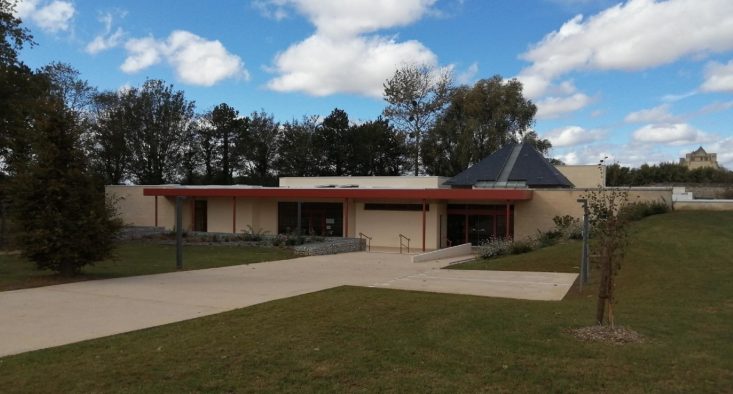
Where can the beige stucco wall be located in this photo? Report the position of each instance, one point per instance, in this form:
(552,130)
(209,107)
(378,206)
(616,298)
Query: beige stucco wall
(219,215)
(385,226)
(386,182)
(133,208)
(537,213)
(584,176)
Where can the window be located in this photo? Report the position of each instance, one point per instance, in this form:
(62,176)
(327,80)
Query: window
(395,207)
(316,218)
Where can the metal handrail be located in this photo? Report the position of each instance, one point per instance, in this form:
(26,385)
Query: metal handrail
(369,240)
(402,244)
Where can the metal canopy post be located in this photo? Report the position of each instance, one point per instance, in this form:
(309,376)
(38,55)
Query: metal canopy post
(300,208)
(179,232)
(508,212)
(423,224)
(234,215)
(346,217)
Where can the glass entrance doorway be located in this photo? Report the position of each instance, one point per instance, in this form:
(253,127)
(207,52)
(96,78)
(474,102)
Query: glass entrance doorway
(478,223)
(316,218)
(200,219)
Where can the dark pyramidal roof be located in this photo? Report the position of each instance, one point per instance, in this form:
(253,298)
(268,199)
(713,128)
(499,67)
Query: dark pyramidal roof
(700,151)
(511,166)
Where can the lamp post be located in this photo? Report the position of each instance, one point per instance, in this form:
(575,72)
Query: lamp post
(584,264)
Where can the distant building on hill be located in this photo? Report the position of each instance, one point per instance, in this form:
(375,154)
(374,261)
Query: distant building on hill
(700,159)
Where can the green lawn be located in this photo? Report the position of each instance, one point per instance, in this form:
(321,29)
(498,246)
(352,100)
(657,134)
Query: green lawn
(563,257)
(676,288)
(137,258)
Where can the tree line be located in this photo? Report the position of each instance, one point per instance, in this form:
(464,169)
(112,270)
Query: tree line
(152,135)
(664,173)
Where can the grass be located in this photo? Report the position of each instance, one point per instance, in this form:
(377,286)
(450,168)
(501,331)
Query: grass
(137,258)
(562,257)
(675,288)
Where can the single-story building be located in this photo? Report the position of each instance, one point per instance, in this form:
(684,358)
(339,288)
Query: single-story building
(512,193)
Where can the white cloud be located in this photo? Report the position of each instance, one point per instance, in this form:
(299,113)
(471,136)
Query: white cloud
(468,76)
(341,56)
(573,135)
(271,9)
(670,98)
(553,107)
(716,106)
(321,66)
(724,149)
(658,114)
(718,77)
(338,18)
(142,53)
(670,134)
(24,8)
(630,155)
(197,61)
(630,36)
(108,39)
(51,16)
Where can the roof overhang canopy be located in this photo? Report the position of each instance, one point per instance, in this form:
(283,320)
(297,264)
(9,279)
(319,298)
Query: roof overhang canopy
(354,193)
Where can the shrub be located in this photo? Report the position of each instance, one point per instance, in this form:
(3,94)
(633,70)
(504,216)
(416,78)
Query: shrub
(296,240)
(494,247)
(549,238)
(250,234)
(568,227)
(641,209)
(519,247)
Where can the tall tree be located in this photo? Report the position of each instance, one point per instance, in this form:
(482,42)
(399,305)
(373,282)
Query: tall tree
(66,84)
(331,143)
(297,154)
(114,121)
(478,121)
(376,149)
(261,148)
(163,116)
(228,130)
(63,218)
(416,96)
(19,90)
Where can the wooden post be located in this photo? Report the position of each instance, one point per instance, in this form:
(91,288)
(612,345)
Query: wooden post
(346,217)
(156,211)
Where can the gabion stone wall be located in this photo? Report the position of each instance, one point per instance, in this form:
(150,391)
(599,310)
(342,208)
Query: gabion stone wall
(331,246)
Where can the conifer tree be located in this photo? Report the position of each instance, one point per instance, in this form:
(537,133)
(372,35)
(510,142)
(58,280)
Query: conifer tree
(60,209)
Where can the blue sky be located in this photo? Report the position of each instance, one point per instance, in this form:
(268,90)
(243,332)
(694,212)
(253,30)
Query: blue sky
(637,81)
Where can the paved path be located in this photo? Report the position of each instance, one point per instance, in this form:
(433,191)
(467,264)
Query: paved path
(32,319)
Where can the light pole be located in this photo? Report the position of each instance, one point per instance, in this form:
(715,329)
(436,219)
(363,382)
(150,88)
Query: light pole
(584,264)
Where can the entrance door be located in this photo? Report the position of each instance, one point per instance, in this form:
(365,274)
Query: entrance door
(480,228)
(200,217)
(456,230)
(477,223)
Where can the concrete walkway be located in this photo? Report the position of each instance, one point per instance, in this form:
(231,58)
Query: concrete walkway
(43,317)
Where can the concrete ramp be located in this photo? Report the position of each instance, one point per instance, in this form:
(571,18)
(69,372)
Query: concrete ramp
(542,286)
(445,253)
